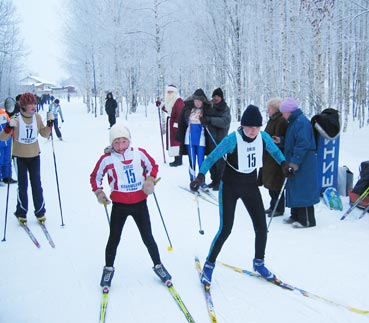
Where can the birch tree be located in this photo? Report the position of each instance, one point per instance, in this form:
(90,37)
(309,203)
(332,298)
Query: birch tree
(11,50)
(314,50)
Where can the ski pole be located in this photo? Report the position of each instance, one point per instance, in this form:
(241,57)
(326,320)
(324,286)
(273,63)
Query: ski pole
(277,202)
(213,140)
(106,211)
(211,136)
(364,212)
(6,211)
(56,176)
(201,231)
(161,136)
(170,247)
(357,202)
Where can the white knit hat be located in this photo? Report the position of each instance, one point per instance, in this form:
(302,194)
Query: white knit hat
(171,88)
(119,131)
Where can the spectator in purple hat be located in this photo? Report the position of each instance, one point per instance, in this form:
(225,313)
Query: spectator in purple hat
(302,190)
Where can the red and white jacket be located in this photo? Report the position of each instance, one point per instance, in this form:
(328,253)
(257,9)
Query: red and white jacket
(126,174)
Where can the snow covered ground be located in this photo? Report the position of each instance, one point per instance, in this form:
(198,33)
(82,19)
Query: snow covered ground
(61,285)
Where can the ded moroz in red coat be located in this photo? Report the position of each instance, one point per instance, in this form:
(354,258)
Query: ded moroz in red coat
(173,105)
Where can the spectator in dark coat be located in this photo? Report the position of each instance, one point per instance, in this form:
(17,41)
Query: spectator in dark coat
(271,174)
(111,108)
(217,122)
(302,190)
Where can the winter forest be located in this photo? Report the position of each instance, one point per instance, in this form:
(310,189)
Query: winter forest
(313,50)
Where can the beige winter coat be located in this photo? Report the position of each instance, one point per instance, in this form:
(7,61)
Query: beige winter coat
(26,150)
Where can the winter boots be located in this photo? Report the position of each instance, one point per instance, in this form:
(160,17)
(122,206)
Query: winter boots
(41,219)
(162,273)
(107,276)
(22,220)
(177,161)
(302,217)
(262,270)
(207,272)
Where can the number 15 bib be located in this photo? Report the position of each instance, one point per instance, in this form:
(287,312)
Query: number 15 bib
(250,154)
(129,176)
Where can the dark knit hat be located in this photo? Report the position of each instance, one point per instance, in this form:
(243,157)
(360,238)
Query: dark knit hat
(56,101)
(252,117)
(218,92)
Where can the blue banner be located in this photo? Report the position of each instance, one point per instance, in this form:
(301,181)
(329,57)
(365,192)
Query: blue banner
(328,153)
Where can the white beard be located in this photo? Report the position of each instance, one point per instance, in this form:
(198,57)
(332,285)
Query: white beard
(169,100)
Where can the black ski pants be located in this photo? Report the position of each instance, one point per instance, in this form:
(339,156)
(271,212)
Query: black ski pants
(119,215)
(29,166)
(251,198)
(274,199)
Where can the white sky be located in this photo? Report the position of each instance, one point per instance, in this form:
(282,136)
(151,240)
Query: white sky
(40,27)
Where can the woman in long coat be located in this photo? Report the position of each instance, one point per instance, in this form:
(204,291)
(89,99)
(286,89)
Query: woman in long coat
(302,190)
(271,174)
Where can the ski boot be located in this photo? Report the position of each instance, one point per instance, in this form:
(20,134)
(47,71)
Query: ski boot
(262,270)
(162,273)
(207,272)
(22,220)
(107,276)
(41,219)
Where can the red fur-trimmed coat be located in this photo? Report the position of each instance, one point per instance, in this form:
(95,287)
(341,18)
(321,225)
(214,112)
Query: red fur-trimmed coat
(172,128)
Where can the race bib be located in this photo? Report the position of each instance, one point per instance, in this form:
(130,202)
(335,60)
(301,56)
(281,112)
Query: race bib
(250,154)
(28,133)
(129,176)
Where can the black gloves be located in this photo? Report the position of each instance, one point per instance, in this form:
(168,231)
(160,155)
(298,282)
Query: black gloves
(288,169)
(197,182)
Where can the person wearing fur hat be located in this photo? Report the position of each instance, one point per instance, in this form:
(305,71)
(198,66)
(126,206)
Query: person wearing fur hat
(217,122)
(302,191)
(111,106)
(191,132)
(243,149)
(25,127)
(131,175)
(173,106)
